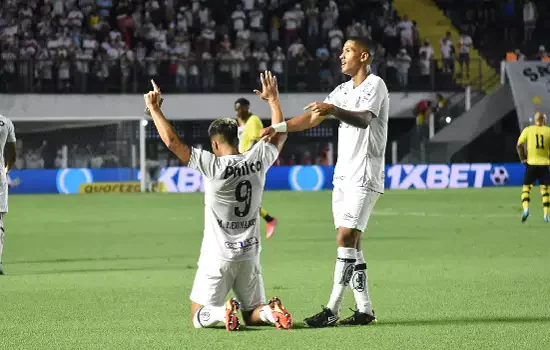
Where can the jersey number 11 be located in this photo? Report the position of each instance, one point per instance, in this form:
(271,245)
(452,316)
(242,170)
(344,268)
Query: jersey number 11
(540,141)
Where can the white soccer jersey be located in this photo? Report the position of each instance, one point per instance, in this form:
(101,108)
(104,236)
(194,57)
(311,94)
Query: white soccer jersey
(7,134)
(361,152)
(233,189)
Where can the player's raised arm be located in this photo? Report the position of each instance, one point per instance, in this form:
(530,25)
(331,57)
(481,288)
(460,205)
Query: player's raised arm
(164,128)
(270,93)
(300,123)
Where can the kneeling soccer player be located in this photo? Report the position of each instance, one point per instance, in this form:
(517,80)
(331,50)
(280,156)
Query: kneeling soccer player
(234,184)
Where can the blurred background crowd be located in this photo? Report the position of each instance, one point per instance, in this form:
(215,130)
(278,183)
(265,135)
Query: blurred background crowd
(203,46)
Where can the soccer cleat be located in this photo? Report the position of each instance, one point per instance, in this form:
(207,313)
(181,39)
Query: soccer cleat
(525,215)
(546,218)
(231,319)
(283,318)
(271,228)
(359,319)
(323,319)
(2,271)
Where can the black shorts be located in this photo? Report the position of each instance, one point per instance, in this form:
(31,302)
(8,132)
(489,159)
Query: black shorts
(464,58)
(536,172)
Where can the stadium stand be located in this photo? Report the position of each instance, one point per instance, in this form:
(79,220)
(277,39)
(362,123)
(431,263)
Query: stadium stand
(104,46)
(500,29)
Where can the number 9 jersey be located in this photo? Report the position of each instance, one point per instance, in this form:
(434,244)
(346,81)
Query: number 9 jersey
(233,190)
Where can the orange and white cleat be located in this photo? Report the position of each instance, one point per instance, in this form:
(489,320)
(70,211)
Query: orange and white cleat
(271,228)
(231,319)
(283,318)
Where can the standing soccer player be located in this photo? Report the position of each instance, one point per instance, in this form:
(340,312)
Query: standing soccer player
(7,143)
(537,160)
(361,105)
(234,184)
(250,126)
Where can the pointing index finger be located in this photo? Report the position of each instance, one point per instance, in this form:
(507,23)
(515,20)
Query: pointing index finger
(155,86)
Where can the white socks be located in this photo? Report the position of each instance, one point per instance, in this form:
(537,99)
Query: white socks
(208,316)
(345,264)
(359,284)
(266,315)
(2,234)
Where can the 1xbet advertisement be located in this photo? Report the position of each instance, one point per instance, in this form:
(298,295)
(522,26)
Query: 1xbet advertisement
(279,178)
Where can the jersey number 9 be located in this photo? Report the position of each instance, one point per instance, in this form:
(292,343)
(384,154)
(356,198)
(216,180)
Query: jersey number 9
(243,194)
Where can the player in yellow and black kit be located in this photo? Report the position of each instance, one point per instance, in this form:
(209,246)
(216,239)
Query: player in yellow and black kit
(537,160)
(250,126)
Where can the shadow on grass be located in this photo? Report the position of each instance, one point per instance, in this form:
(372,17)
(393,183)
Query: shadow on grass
(107,269)
(465,321)
(299,326)
(96,259)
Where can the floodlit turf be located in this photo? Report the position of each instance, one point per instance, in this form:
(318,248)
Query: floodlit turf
(447,269)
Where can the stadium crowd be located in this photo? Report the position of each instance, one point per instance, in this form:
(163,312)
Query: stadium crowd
(201,46)
(503,29)
(114,46)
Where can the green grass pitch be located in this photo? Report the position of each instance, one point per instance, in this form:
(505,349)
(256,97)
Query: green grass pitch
(447,269)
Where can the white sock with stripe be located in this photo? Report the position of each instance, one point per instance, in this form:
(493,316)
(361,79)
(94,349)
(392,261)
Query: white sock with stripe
(359,284)
(209,316)
(345,264)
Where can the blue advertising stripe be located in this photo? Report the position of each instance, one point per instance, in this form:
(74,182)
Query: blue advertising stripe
(296,178)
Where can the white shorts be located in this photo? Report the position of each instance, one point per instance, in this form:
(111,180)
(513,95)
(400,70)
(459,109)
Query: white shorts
(351,207)
(4,197)
(215,278)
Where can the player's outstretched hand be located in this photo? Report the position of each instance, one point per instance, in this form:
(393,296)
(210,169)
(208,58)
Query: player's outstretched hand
(320,108)
(268,132)
(152,98)
(270,90)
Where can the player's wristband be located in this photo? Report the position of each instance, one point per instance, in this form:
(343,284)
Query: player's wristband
(280,127)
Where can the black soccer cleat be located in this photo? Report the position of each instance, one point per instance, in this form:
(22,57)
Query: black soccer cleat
(2,271)
(323,319)
(358,319)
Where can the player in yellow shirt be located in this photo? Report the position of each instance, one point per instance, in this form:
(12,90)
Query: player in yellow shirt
(250,126)
(537,139)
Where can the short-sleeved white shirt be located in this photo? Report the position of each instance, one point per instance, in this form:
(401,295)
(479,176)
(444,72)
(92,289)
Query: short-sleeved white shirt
(233,189)
(7,134)
(361,152)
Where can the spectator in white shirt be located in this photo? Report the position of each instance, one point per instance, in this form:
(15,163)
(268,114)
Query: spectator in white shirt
(426,53)
(542,54)
(427,48)
(295,48)
(402,64)
(464,44)
(312,14)
(328,21)
(278,60)
(529,20)
(238,18)
(447,53)
(291,24)
(336,39)
(256,19)
(406,32)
